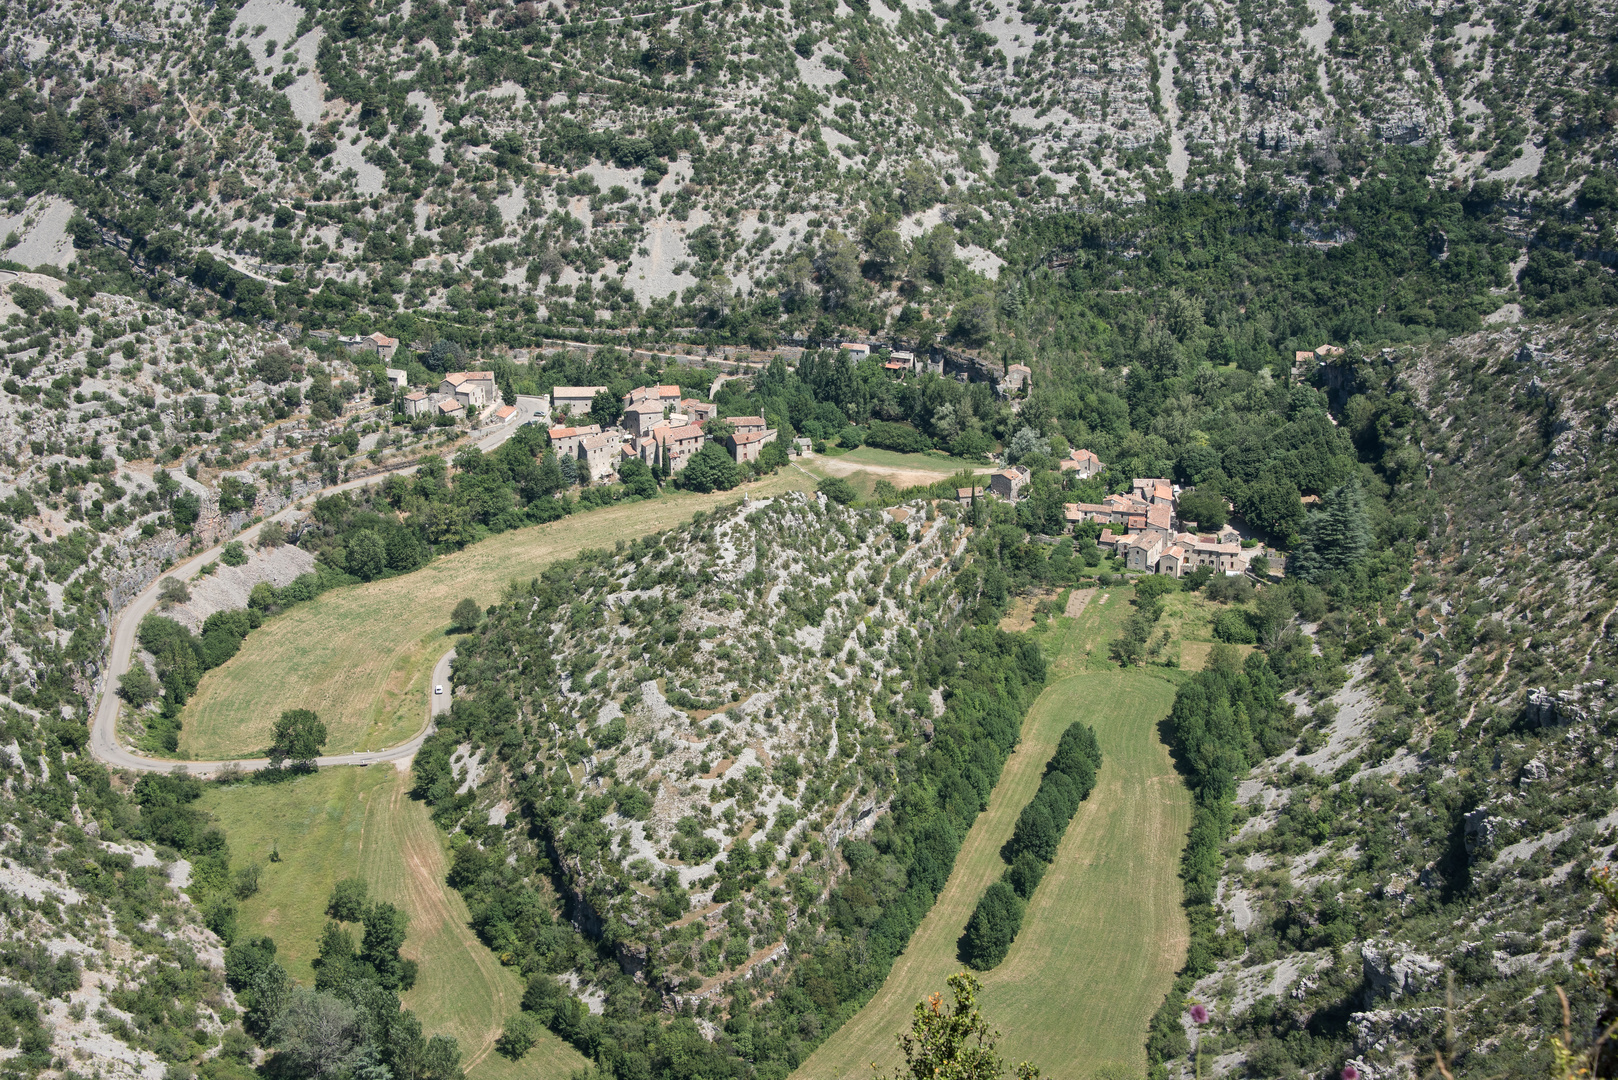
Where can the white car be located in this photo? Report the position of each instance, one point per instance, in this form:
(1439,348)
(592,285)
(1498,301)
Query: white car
(438,689)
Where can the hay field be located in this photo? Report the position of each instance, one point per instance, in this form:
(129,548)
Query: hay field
(1105,932)
(359,822)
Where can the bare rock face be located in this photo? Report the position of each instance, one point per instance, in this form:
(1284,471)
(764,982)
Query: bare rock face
(1392,972)
(1478,832)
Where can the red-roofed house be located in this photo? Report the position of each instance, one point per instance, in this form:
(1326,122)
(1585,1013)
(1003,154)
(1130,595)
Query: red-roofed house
(451,407)
(1082,462)
(566,440)
(746,446)
(1007,484)
(675,445)
(504,413)
(418,404)
(747,425)
(473,389)
(698,411)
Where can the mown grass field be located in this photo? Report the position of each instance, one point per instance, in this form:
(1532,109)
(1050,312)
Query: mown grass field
(864,466)
(1105,932)
(361,656)
(359,822)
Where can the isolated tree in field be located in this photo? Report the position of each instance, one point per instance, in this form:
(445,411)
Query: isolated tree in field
(347,903)
(951,1041)
(993,926)
(299,736)
(466,615)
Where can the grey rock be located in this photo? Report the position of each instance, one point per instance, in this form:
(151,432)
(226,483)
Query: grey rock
(1393,971)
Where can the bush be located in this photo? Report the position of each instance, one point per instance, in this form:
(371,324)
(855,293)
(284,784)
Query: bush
(1233,626)
(234,554)
(836,489)
(897,437)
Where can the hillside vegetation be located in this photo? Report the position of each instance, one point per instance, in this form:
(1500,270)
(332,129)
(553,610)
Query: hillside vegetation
(1419,841)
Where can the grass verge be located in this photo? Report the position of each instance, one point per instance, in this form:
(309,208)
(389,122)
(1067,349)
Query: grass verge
(359,822)
(1105,932)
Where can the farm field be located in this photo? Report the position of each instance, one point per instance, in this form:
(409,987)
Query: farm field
(359,822)
(361,656)
(1105,931)
(864,466)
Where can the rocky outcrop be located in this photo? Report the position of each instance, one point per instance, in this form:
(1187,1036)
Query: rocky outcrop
(1392,971)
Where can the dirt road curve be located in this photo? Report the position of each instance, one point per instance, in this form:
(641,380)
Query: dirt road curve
(104,727)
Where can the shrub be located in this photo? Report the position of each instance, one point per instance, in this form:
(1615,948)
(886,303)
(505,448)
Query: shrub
(1233,626)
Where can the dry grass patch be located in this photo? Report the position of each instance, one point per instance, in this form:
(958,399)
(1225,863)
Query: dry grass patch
(361,656)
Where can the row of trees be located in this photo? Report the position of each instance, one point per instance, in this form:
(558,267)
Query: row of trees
(1070,776)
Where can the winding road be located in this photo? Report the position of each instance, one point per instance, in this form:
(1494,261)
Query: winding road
(104,730)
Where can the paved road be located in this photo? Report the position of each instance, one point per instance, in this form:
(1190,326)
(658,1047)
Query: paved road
(104,728)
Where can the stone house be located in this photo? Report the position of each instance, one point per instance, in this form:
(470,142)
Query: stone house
(398,379)
(748,425)
(1007,484)
(383,345)
(418,404)
(675,445)
(1018,377)
(565,440)
(967,494)
(473,389)
(746,446)
(599,455)
(698,411)
(1082,462)
(575,399)
(667,395)
(855,350)
(641,416)
(451,407)
(1154,491)
(1143,550)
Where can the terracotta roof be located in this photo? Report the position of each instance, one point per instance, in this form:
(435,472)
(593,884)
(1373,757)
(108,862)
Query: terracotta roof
(505,410)
(596,442)
(746,421)
(751,436)
(419,395)
(449,405)
(569,432)
(383,340)
(576,391)
(1160,517)
(678,434)
(967,493)
(456,378)
(894,365)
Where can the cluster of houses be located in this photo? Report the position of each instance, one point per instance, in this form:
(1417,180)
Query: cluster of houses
(1143,526)
(659,427)
(461,393)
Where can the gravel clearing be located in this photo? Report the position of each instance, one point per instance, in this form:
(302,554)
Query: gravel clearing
(228,588)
